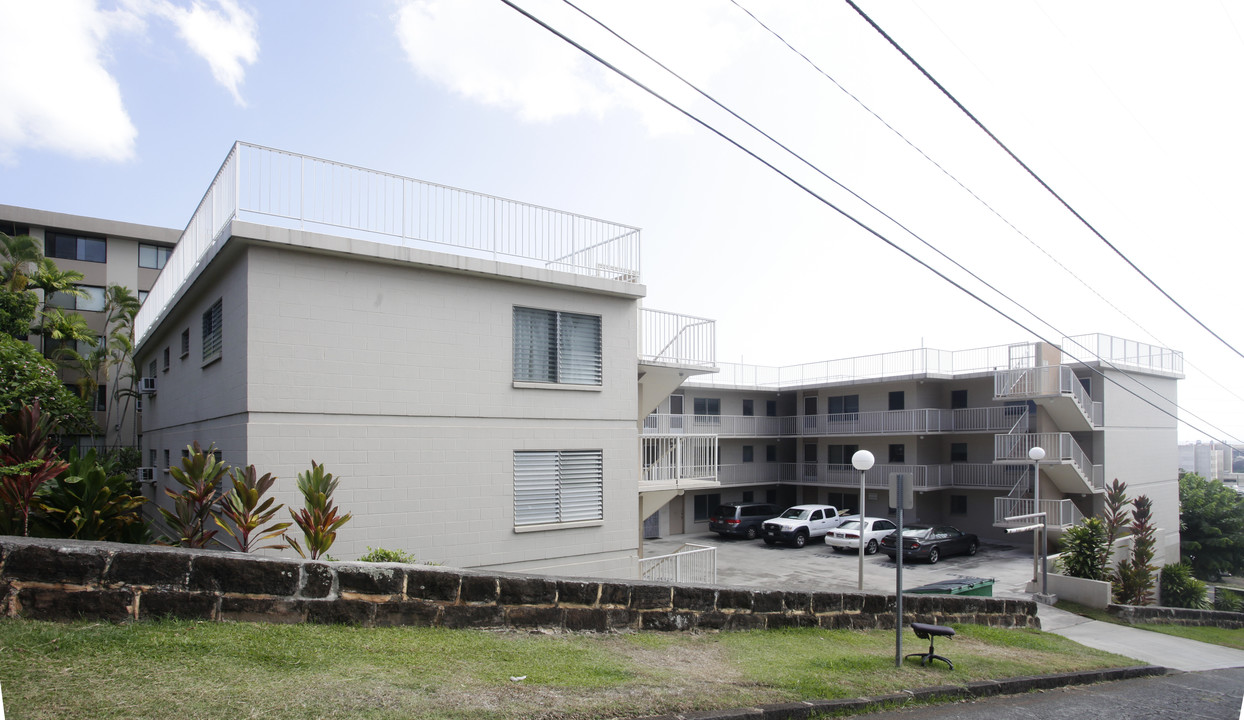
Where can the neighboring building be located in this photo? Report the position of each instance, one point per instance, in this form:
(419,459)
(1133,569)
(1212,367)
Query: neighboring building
(474,369)
(958,425)
(106,252)
(1210,460)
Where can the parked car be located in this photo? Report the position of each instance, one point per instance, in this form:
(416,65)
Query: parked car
(847,535)
(740,519)
(796,525)
(931,542)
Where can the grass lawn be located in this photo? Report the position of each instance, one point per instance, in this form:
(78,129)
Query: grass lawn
(240,670)
(1213,635)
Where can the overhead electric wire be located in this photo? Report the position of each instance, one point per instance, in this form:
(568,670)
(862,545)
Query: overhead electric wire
(1036,177)
(950,175)
(691,116)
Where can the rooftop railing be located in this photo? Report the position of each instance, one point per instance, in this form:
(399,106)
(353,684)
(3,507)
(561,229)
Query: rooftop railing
(1127,354)
(282,189)
(667,338)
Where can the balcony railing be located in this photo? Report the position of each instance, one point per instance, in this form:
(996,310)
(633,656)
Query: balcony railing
(284,189)
(885,422)
(924,477)
(1059,448)
(671,339)
(1058,513)
(670,459)
(1050,380)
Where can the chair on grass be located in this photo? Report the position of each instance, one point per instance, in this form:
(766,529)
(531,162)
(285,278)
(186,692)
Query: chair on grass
(925,630)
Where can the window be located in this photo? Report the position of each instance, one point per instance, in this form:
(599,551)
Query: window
(749,408)
(101,399)
(958,504)
(142,295)
(212,332)
(896,400)
(958,399)
(749,496)
(51,346)
(748,453)
(1087,384)
(809,405)
(153,256)
(844,405)
(151,453)
(704,504)
(897,452)
(770,453)
(707,410)
(841,454)
(770,408)
(958,452)
(556,347)
(73,247)
(771,496)
(558,486)
(809,452)
(166,359)
(166,458)
(151,369)
(185,342)
(93,300)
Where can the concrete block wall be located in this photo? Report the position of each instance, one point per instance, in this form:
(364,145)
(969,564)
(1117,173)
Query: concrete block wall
(67,580)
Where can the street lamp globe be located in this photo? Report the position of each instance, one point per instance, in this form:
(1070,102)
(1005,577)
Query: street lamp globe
(862,460)
(1036,454)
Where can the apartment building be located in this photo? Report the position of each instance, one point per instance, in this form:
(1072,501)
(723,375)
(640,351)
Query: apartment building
(106,252)
(1211,460)
(476,370)
(957,425)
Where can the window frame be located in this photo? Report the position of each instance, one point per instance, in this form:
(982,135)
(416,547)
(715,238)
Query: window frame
(82,244)
(162,253)
(572,345)
(561,489)
(213,332)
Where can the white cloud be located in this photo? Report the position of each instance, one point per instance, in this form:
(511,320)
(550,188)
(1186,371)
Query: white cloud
(226,38)
(57,94)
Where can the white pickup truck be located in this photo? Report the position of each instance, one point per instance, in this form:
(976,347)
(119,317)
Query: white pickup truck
(796,525)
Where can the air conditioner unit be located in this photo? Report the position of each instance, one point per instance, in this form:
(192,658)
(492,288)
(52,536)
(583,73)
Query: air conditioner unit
(146,385)
(138,404)
(146,474)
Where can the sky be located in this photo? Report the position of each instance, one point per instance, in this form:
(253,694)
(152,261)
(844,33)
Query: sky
(125,109)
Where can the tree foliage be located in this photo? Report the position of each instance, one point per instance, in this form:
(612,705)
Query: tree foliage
(26,376)
(1133,581)
(1211,527)
(1181,590)
(1083,550)
(92,499)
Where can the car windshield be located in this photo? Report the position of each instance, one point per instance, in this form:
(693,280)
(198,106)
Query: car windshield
(917,532)
(850,525)
(795,514)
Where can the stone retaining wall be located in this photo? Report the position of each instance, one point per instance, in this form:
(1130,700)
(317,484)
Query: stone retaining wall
(66,580)
(1132,615)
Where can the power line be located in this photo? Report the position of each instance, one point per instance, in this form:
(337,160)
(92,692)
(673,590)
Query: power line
(1036,177)
(831,205)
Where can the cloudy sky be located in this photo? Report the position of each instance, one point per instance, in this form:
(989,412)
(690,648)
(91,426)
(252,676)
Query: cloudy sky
(1130,111)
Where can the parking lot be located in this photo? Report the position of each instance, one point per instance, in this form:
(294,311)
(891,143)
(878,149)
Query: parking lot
(751,563)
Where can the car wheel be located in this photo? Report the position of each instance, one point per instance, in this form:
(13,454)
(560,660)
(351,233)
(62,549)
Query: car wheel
(933,556)
(751,533)
(769,541)
(871,548)
(973,548)
(801,539)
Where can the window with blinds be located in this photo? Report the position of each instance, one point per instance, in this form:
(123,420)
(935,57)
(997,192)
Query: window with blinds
(556,347)
(213,334)
(558,486)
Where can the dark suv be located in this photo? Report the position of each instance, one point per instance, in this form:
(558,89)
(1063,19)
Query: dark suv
(740,519)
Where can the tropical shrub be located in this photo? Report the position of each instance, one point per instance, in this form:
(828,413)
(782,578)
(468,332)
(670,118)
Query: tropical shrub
(29,458)
(247,515)
(1133,580)
(199,476)
(1180,589)
(1082,550)
(92,499)
(1115,519)
(319,519)
(381,555)
(1228,600)
(27,376)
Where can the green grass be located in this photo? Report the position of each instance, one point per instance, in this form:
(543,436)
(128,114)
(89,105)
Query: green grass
(239,670)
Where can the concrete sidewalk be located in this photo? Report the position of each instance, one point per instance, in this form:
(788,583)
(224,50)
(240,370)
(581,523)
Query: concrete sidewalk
(1145,645)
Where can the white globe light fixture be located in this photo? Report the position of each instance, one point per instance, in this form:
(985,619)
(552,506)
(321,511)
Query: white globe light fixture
(862,460)
(1037,453)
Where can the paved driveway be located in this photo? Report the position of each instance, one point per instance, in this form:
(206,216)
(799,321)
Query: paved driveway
(751,563)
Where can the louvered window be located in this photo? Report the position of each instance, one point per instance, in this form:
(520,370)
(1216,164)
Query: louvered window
(558,486)
(556,347)
(213,334)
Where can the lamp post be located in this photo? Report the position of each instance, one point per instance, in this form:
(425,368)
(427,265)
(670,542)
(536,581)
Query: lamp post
(862,460)
(1037,453)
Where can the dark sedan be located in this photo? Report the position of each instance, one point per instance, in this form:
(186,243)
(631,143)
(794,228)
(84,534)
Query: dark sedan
(924,542)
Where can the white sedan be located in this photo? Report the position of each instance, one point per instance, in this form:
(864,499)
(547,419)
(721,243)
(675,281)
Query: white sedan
(847,535)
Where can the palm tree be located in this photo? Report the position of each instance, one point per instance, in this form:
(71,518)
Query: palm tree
(19,257)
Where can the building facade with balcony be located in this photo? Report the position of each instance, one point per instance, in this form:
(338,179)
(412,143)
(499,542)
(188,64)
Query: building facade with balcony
(106,252)
(475,370)
(957,425)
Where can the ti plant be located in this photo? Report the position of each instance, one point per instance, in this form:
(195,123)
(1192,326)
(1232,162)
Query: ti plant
(28,460)
(199,475)
(319,519)
(1133,581)
(243,509)
(93,500)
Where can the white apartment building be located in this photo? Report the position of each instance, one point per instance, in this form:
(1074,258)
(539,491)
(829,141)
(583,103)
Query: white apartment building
(475,370)
(958,425)
(1210,460)
(106,252)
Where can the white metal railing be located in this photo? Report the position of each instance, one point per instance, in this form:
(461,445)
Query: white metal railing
(1058,513)
(671,458)
(926,477)
(758,473)
(285,189)
(1049,380)
(923,420)
(1128,354)
(1059,448)
(691,563)
(669,338)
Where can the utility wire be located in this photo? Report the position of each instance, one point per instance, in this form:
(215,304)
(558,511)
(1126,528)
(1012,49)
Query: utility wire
(1036,177)
(956,180)
(830,204)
